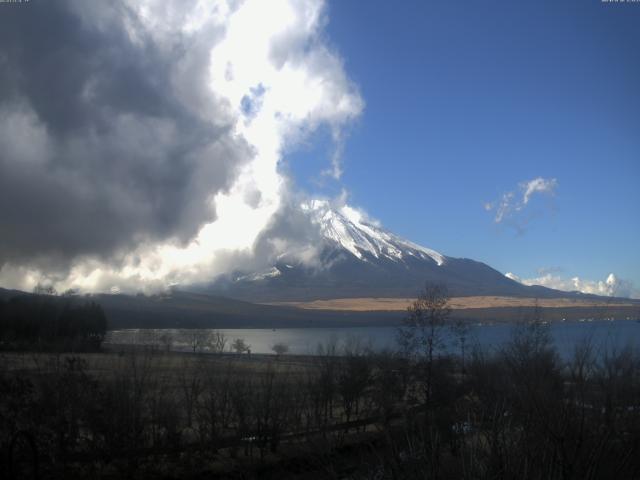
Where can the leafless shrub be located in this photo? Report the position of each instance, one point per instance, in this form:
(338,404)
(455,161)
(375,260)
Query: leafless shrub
(239,345)
(354,376)
(217,342)
(280,348)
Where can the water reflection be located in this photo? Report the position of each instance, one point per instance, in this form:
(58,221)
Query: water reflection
(305,341)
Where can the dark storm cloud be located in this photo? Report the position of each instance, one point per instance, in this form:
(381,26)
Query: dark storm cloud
(107,138)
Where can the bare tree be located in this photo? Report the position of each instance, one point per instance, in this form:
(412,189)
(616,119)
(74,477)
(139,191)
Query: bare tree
(166,341)
(191,384)
(461,329)
(240,346)
(354,376)
(217,342)
(214,413)
(327,363)
(198,340)
(280,348)
(421,336)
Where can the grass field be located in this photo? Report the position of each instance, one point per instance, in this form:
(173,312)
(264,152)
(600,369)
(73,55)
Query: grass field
(457,303)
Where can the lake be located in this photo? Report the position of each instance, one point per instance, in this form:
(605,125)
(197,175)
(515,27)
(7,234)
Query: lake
(304,341)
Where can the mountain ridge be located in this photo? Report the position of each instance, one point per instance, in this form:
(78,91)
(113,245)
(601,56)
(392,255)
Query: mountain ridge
(358,258)
(180,309)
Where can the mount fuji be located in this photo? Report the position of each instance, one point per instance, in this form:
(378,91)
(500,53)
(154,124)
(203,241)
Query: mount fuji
(355,257)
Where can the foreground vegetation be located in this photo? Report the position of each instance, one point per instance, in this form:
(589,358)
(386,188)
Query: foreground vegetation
(346,412)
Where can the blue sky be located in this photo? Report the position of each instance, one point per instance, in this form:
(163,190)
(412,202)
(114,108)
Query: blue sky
(466,100)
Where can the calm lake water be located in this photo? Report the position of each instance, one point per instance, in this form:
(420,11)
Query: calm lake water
(304,341)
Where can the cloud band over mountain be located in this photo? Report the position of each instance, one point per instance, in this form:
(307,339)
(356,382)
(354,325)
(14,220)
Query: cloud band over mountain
(612,286)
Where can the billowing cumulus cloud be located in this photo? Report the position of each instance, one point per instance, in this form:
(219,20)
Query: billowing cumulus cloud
(612,286)
(140,140)
(97,148)
(509,209)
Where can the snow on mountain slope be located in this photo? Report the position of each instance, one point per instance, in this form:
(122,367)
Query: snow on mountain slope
(272,272)
(349,229)
(342,254)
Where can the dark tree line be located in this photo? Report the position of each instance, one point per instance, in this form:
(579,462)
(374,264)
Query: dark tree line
(45,321)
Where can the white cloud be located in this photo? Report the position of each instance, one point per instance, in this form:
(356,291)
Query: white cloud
(506,207)
(513,276)
(267,61)
(537,185)
(509,208)
(612,286)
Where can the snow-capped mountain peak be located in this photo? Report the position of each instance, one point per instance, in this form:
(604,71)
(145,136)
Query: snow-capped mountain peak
(337,252)
(351,230)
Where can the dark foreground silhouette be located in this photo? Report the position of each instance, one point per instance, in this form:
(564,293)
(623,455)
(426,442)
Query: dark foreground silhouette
(517,413)
(347,412)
